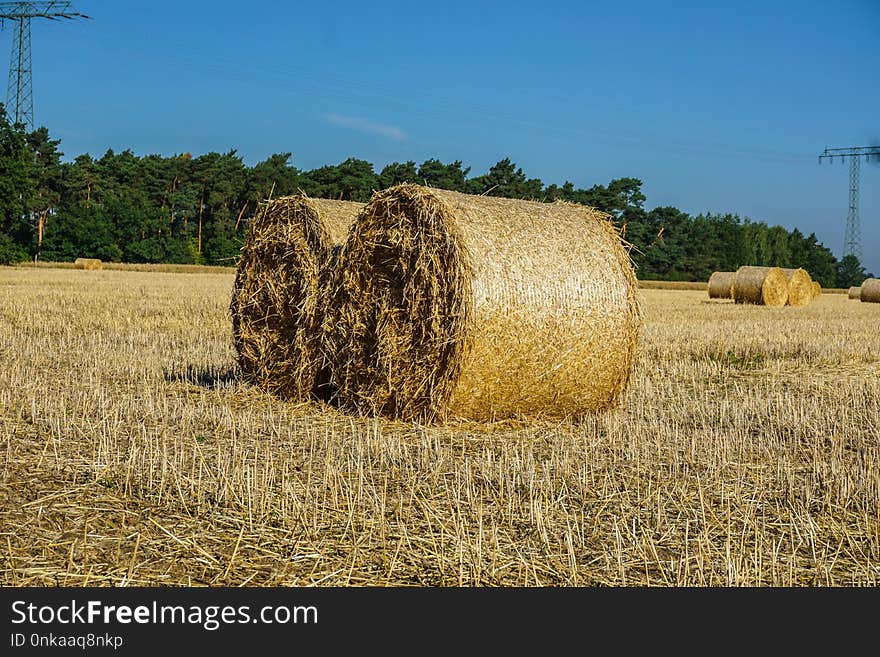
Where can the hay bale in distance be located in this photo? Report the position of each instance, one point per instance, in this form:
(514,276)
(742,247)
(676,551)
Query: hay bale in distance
(447,305)
(800,287)
(88,263)
(767,286)
(720,284)
(870,290)
(817,290)
(277,305)
(855,292)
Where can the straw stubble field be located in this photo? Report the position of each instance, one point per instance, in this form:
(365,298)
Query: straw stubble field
(746,452)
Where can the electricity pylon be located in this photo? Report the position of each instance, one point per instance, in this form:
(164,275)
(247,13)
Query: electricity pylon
(852,240)
(19,92)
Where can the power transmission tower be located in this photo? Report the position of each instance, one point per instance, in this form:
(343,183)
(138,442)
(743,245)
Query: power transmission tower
(19,92)
(852,240)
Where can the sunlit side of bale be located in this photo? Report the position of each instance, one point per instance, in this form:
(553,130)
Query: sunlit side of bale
(720,285)
(870,290)
(767,286)
(800,287)
(88,263)
(447,305)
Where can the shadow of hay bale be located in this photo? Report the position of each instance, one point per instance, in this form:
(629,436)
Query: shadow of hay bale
(205,376)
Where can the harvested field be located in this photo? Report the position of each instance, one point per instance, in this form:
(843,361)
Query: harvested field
(746,452)
(672,285)
(133,266)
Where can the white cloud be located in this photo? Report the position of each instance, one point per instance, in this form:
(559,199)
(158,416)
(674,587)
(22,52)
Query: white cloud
(365,125)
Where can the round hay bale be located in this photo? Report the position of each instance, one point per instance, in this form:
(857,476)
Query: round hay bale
(720,285)
(447,305)
(800,287)
(88,263)
(767,286)
(870,290)
(276,305)
(854,292)
(817,290)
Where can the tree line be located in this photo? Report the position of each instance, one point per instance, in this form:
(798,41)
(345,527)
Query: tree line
(186,209)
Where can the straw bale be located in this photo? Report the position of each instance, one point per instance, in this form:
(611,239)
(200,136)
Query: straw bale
(88,263)
(766,286)
(720,285)
(800,287)
(870,291)
(817,290)
(447,305)
(855,292)
(276,304)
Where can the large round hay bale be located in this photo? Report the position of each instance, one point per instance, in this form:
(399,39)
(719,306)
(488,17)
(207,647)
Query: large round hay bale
(447,305)
(767,286)
(720,285)
(88,263)
(855,292)
(870,291)
(276,305)
(817,289)
(800,287)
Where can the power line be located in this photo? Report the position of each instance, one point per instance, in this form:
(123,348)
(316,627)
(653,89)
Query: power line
(19,90)
(852,240)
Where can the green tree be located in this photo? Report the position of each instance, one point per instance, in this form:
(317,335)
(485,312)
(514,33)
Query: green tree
(453,176)
(555,193)
(79,229)
(615,199)
(16,192)
(398,172)
(184,209)
(221,180)
(663,256)
(778,240)
(820,262)
(351,180)
(729,243)
(850,272)
(357,180)
(223,246)
(507,180)
(273,177)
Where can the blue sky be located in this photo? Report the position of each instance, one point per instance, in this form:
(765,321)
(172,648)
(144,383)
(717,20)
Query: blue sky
(715,106)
